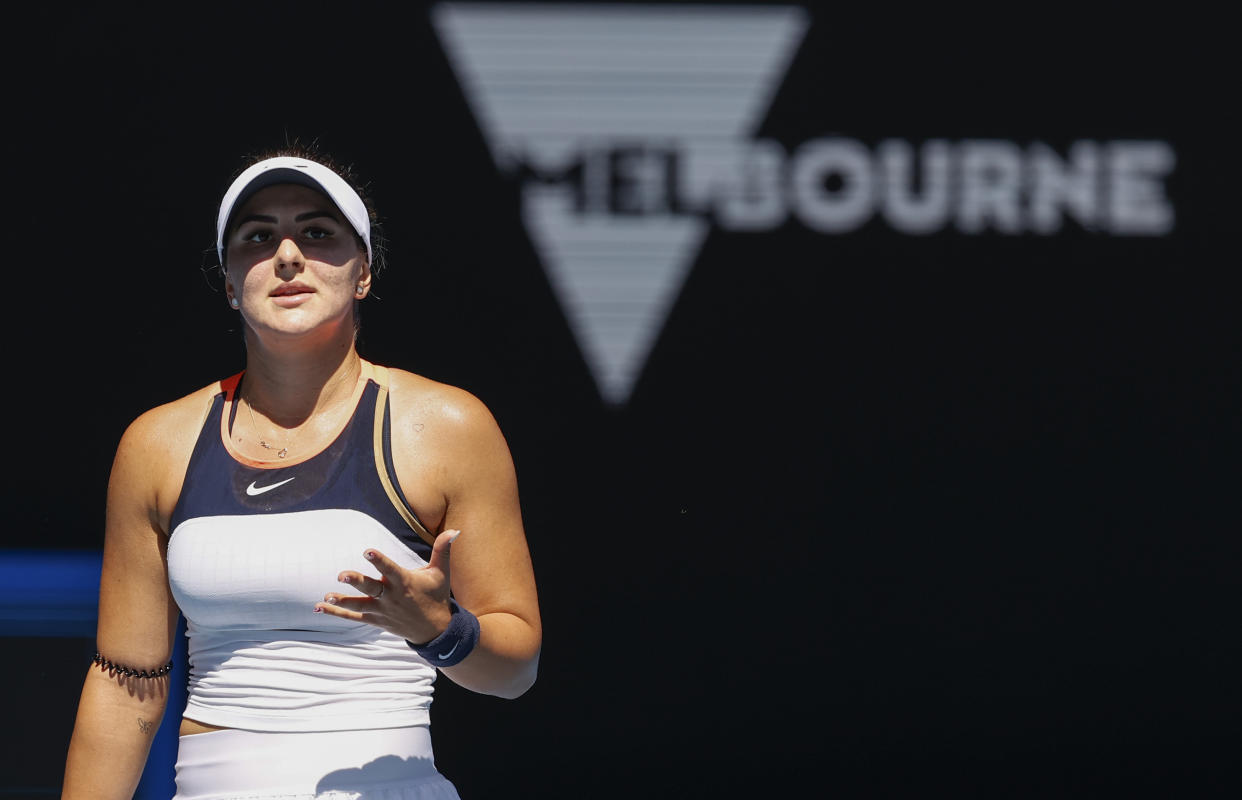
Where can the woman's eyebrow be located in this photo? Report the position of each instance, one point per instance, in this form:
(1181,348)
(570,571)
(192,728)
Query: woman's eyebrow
(272,220)
(314,215)
(255,218)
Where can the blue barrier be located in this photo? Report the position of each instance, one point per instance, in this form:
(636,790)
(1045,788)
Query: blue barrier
(49,592)
(55,593)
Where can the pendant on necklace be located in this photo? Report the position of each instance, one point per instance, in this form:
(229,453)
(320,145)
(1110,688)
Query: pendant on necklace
(281,453)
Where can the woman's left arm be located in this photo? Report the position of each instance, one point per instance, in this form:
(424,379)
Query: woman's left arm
(489,562)
(481,553)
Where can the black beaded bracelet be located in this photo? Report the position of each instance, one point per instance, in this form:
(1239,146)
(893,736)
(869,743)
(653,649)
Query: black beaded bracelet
(455,643)
(130,671)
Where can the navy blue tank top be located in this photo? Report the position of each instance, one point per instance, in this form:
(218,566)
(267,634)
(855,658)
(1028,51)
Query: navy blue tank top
(354,472)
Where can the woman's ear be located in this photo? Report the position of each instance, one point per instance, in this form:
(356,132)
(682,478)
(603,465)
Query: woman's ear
(364,281)
(229,294)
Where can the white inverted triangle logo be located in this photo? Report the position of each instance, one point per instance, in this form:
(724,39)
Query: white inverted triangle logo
(589,103)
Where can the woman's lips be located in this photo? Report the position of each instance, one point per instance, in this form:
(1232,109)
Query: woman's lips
(291,288)
(291,294)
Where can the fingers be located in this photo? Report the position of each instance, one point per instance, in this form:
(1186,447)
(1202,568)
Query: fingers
(391,571)
(394,580)
(369,586)
(354,607)
(387,567)
(440,551)
(350,608)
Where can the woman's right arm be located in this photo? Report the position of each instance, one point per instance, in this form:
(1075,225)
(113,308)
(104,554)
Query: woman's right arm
(119,715)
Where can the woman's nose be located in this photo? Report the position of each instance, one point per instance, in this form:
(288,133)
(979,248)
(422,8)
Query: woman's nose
(288,256)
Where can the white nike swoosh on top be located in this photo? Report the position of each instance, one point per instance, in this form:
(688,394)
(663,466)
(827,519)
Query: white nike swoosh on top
(254,492)
(450,652)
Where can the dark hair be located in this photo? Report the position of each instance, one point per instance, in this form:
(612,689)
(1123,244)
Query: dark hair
(311,151)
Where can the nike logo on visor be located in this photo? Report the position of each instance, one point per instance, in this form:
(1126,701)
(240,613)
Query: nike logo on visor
(255,491)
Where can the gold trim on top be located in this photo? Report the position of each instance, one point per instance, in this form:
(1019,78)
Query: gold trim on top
(381,405)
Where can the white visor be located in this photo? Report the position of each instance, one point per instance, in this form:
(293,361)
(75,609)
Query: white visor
(286,169)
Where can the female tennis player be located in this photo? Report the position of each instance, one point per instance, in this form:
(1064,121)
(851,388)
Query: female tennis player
(335,533)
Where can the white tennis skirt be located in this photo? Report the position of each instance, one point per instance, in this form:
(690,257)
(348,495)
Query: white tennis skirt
(384,764)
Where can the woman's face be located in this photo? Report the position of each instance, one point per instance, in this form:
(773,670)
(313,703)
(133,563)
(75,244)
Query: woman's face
(294,263)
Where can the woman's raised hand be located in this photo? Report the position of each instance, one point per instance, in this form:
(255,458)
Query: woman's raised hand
(410,603)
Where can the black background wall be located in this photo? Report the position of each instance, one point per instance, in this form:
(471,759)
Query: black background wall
(887,514)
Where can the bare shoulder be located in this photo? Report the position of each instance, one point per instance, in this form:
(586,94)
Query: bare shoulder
(446,442)
(163,428)
(423,406)
(155,450)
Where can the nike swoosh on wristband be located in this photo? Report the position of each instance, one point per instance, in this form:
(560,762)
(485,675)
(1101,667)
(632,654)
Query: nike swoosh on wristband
(449,653)
(255,492)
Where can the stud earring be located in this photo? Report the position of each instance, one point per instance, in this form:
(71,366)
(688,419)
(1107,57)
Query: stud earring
(359,290)
(233,301)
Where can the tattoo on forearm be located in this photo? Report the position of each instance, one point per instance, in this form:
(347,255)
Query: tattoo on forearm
(144,725)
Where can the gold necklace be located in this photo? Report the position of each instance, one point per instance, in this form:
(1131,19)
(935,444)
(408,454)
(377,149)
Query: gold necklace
(282,452)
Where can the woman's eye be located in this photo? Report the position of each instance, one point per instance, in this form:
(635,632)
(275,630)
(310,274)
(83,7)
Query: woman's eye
(317,233)
(257,237)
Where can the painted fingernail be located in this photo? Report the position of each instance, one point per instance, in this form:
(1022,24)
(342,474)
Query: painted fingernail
(453,538)
(370,556)
(347,579)
(318,610)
